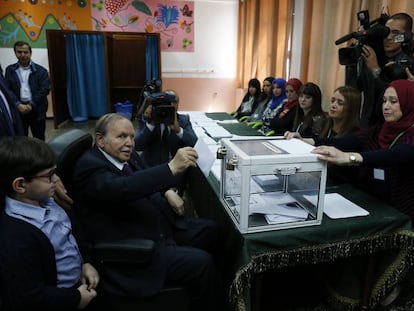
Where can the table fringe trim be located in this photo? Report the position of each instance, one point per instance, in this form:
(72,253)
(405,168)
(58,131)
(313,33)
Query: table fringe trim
(403,240)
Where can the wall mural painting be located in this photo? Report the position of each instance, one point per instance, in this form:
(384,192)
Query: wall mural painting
(28,20)
(174,20)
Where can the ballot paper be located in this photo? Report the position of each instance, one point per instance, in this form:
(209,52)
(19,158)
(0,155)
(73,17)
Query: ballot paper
(279,219)
(271,204)
(336,206)
(205,158)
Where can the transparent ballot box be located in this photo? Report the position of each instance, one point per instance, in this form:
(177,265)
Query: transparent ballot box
(271,183)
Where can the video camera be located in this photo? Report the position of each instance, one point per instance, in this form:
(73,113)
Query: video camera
(372,34)
(152,86)
(396,69)
(162,109)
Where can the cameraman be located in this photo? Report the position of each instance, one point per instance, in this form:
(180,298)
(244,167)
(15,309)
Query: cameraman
(158,141)
(395,65)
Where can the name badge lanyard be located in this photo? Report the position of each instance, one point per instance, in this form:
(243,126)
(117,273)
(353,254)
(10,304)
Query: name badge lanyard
(398,137)
(379,173)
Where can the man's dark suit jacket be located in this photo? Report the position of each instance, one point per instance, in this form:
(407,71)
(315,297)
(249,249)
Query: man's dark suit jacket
(114,206)
(149,142)
(17,123)
(27,254)
(39,86)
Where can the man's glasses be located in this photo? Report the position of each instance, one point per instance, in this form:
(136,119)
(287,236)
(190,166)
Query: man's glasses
(49,175)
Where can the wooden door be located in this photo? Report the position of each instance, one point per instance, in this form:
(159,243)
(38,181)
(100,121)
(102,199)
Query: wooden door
(125,68)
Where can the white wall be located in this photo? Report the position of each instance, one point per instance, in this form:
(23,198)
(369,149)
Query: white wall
(215,54)
(38,55)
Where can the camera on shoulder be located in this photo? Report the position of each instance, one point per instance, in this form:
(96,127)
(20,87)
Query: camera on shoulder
(372,34)
(162,109)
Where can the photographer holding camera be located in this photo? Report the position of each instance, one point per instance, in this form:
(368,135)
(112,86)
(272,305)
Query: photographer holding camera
(396,64)
(161,133)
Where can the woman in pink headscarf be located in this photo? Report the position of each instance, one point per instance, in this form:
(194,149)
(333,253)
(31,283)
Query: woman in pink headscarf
(385,152)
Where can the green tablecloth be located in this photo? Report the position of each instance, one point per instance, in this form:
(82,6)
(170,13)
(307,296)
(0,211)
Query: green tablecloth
(250,254)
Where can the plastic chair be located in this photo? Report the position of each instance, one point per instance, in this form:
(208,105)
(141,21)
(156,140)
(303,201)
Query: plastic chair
(68,148)
(244,118)
(256,124)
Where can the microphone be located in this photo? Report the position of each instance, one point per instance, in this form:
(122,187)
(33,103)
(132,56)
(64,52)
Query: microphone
(378,31)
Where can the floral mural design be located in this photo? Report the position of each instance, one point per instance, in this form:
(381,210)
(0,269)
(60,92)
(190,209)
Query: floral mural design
(172,19)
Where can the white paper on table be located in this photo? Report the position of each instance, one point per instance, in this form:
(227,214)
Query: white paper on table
(230,121)
(205,157)
(293,146)
(204,123)
(198,116)
(336,206)
(217,131)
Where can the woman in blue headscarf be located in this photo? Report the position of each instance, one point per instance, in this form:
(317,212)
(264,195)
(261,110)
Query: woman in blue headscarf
(279,92)
(278,97)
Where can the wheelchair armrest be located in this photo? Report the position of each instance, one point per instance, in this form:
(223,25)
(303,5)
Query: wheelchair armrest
(124,251)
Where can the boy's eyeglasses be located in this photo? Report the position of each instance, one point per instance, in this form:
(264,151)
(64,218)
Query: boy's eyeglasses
(49,175)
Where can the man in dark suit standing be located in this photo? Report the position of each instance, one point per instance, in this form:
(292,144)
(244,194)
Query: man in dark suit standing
(30,84)
(118,198)
(10,122)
